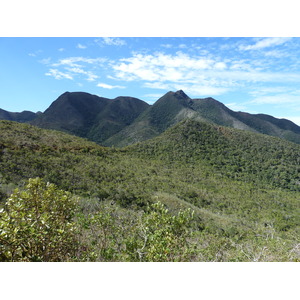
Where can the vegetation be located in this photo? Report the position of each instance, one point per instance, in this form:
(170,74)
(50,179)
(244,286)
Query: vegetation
(42,223)
(198,192)
(37,224)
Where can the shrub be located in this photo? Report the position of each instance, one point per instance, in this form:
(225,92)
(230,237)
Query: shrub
(36,224)
(162,236)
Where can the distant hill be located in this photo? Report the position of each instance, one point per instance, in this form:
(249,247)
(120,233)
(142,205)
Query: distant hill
(22,117)
(126,120)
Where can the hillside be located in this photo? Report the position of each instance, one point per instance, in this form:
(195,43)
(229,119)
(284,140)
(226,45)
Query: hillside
(243,188)
(235,153)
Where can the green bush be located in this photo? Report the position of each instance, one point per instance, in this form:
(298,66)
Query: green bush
(36,224)
(161,236)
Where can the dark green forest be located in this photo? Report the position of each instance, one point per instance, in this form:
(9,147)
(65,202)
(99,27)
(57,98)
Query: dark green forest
(197,192)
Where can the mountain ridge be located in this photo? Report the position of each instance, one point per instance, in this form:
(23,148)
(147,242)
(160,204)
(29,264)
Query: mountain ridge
(126,120)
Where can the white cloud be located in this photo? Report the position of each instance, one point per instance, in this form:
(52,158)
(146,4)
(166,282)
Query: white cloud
(220,66)
(61,49)
(113,41)
(89,74)
(71,67)
(211,74)
(197,75)
(58,75)
(108,86)
(265,43)
(73,61)
(80,46)
(162,67)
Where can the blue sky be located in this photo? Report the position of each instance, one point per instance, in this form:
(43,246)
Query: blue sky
(256,75)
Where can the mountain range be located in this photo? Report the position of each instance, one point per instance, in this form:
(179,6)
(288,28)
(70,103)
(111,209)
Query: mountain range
(126,120)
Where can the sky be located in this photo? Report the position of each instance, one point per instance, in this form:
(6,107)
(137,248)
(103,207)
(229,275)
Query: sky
(255,75)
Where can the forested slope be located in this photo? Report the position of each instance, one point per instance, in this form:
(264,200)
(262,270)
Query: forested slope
(241,186)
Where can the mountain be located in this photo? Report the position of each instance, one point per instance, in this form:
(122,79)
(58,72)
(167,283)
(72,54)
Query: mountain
(164,113)
(22,117)
(174,107)
(126,120)
(90,116)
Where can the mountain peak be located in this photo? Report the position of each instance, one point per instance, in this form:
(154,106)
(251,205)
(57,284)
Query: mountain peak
(182,94)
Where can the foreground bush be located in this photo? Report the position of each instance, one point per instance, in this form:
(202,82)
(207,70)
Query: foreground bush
(37,224)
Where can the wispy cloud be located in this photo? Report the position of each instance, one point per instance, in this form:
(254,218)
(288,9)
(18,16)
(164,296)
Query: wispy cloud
(80,46)
(73,61)
(89,74)
(202,75)
(113,41)
(108,86)
(58,74)
(265,43)
(71,67)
